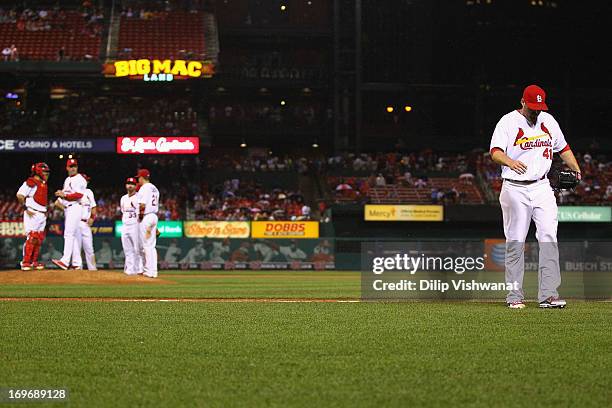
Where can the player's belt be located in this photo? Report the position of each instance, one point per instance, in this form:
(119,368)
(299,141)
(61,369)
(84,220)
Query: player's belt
(525,182)
(38,211)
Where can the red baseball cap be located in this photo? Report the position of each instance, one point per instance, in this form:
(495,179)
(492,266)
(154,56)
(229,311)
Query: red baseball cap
(71,163)
(131,180)
(143,173)
(535,98)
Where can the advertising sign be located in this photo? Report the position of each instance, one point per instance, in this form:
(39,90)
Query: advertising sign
(585,214)
(159,70)
(285,229)
(35,145)
(376,212)
(11,229)
(158,145)
(168,229)
(217,229)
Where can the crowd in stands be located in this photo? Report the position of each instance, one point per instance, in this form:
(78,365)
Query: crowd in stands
(427,177)
(61,23)
(267,114)
(259,162)
(239,201)
(109,117)
(353,176)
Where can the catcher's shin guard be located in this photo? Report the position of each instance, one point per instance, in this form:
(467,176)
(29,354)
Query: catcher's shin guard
(40,235)
(28,247)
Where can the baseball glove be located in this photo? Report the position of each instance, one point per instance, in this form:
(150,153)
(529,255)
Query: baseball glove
(564,179)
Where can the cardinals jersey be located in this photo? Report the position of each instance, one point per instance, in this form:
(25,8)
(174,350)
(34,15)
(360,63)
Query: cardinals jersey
(74,188)
(88,202)
(129,209)
(532,145)
(149,196)
(35,193)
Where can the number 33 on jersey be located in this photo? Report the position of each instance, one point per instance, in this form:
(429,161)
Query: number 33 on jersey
(532,145)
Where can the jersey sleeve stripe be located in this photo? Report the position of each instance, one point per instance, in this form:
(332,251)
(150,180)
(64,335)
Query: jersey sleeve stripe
(565,149)
(495,149)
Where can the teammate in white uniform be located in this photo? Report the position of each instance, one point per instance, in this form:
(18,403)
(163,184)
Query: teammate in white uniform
(33,196)
(72,193)
(523,142)
(85,238)
(130,234)
(148,201)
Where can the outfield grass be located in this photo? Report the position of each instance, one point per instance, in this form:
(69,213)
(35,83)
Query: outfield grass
(309,354)
(225,354)
(282,284)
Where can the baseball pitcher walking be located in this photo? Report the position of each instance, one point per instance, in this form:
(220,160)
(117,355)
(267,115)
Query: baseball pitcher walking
(148,201)
(130,234)
(72,193)
(524,142)
(33,196)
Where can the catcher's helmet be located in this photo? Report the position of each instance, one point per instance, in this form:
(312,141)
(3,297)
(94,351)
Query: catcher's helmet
(39,168)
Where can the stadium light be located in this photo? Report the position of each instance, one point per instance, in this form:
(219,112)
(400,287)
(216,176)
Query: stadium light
(408,108)
(243,144)
(61,156)
(390,109)
(315,145)
(283,103)
(70,156)
(283,7)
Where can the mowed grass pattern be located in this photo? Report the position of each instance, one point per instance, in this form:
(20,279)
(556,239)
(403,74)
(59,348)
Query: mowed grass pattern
(309,354)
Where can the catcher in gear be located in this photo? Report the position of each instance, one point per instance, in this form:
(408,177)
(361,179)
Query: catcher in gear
(33,195)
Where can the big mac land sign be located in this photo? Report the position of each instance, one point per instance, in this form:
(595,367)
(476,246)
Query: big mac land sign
(159,70)
(158,145)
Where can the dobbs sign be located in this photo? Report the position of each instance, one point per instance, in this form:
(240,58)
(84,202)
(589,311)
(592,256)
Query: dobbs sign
(159,70)
(285,229)
(158,145)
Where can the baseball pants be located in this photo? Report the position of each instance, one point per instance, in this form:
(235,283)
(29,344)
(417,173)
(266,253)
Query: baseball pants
(85,240)
(130,240)
(521,204)
(148,240)
(33,223)
(72,246)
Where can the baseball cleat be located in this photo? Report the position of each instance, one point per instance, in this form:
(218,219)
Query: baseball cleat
(39,266)
(553,303)
(519,304)
(59,264)
(26,266)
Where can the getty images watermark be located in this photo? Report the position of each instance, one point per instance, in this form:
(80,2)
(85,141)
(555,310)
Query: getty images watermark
(430,270)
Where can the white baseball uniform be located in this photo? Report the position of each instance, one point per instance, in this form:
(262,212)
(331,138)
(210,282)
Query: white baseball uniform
(35,218)
(130,234)
(526,197)
(37,221)
(74,189)
(85,238)
(149,196)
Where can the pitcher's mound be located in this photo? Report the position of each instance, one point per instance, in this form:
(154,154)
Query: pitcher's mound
(63,277)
